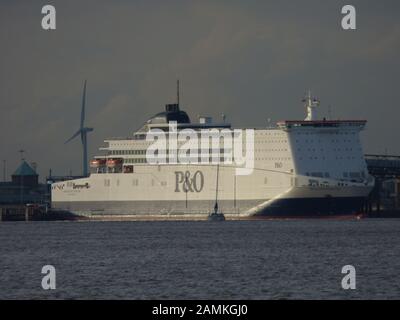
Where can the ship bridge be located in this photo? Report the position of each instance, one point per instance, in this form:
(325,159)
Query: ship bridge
(290,124)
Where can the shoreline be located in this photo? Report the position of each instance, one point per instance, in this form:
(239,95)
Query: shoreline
(65,216)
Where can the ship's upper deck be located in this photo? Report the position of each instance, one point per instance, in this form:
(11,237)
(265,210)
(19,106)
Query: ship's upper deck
(174,117)
(289,124)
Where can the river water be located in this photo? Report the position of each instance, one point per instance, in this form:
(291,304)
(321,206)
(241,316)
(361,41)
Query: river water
(293,259)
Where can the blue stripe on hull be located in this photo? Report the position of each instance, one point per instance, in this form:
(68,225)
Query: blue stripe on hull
(314,207)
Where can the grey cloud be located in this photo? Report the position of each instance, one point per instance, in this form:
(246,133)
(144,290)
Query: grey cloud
(252,60)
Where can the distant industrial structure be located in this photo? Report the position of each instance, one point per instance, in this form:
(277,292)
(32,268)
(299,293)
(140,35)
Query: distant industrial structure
(385,197)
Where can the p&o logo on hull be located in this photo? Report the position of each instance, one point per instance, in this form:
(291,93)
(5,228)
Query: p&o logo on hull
(187,182)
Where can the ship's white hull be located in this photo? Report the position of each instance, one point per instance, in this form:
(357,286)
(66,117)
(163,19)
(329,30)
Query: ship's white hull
(158,191)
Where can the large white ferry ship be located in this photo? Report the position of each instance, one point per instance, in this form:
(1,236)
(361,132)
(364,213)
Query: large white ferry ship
(303,168)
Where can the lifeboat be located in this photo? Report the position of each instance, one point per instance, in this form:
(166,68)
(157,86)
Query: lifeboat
(112,163)
(96,163)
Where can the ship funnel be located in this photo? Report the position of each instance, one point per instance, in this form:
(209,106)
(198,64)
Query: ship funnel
(310,104)
(172,107)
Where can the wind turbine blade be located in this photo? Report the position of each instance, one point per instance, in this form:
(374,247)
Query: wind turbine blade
(74,136)
(83,106)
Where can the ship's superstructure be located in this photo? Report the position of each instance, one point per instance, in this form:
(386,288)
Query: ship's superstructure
(299,168)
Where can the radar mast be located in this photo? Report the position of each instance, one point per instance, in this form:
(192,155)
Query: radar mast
(311,103)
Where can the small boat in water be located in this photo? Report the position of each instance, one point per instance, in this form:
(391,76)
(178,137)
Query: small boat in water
(215,215)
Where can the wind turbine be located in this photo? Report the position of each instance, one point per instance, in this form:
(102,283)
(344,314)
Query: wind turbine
(83,132)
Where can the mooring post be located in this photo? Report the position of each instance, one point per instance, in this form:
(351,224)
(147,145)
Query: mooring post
(1,214)
(26,213)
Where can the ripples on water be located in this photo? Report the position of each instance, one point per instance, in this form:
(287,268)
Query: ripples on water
(299,259)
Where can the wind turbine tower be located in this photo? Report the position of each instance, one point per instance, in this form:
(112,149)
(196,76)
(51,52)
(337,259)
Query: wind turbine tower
(82,131)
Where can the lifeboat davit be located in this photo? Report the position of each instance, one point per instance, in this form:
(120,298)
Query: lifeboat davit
(96,163)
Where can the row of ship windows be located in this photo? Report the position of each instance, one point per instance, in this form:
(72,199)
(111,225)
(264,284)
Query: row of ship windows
(360,174)
(271,150)
(140,152)
(336,133)
(135,183)
(129,151)
(270,133)
(125,152)
(353,175)
(265,133)
(335,150)
(222,159)
(271,141)
(190,159)
(271,159)
(336,158)
(319,141)
(200,159)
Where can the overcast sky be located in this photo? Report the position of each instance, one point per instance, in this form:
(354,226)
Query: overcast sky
(251,60)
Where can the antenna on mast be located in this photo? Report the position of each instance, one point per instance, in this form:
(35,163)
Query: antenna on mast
(4,170)
(177,92)
(310,103)
(22,154)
